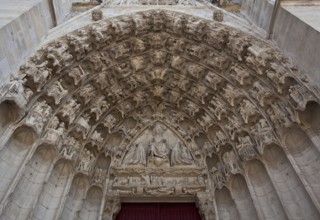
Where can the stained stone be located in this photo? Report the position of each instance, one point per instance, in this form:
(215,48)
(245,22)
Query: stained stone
(159,105)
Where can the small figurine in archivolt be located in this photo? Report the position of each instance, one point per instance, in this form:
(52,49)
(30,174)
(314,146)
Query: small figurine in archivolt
(136,156)
(180,156)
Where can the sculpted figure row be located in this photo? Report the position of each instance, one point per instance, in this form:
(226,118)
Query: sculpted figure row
(158,154)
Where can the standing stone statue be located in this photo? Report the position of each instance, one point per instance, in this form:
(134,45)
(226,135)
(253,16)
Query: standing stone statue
(180,156)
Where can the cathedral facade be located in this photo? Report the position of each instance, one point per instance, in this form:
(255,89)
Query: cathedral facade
(166,102)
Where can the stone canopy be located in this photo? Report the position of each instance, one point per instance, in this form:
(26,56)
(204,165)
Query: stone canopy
(159,104)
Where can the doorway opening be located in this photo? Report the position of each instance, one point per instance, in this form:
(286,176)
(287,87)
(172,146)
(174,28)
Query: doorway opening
(158,211)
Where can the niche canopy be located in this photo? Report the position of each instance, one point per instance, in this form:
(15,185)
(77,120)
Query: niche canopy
(101,90)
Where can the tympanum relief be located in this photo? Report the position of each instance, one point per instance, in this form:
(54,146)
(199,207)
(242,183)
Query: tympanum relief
(158,163)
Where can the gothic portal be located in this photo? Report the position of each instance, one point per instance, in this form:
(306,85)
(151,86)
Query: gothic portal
(159,106)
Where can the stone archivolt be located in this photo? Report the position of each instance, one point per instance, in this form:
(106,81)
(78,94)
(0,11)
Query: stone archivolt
(80,104)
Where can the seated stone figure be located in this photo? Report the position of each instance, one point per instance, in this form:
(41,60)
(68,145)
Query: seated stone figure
(158,153)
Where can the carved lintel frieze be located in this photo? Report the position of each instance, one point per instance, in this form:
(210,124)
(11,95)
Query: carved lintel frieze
(193,171)
(159,191)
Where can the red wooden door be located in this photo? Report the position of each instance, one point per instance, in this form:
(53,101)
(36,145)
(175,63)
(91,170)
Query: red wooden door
(158,211)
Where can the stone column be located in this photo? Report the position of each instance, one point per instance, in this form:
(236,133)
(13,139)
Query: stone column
(205,204)
(112,207)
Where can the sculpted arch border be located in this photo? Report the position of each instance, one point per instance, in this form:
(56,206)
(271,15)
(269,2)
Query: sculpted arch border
(90,95)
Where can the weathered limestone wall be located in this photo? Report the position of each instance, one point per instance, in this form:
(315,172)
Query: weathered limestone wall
(258,11)
(296,32)
(299,41)
(62,10)
(23,25)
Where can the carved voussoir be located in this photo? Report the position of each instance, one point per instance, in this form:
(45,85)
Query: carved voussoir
(17,92)
(59,56)
(300,95)
(55,132)
(80,43)
(37,116)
